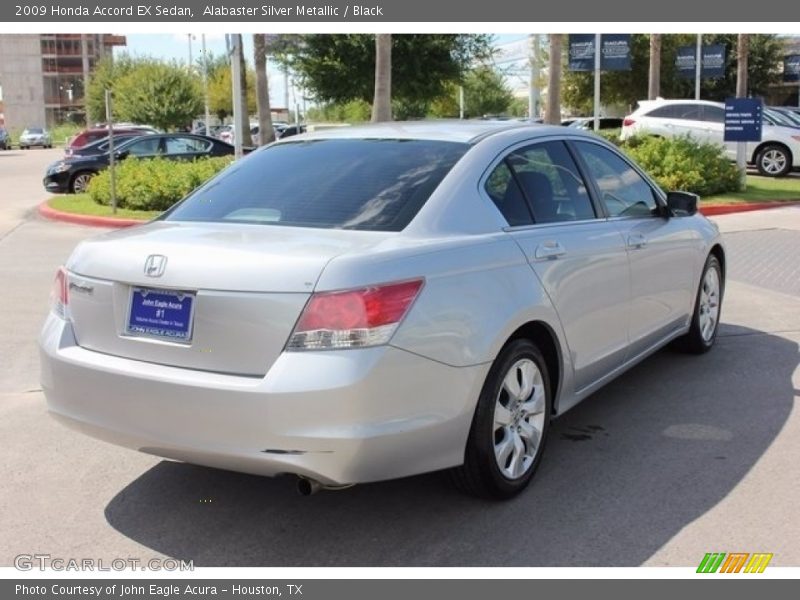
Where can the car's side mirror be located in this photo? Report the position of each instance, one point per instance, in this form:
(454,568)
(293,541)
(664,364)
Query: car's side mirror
(121,154)
(682,204)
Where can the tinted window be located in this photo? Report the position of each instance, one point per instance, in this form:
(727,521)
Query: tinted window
(677,111)
(186,145)
(714,114)
(623,191)
(551,183)
(507,196)
(377,185)
(144,147)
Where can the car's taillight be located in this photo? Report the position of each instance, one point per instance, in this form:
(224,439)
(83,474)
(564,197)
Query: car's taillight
(59,297)
(353,318)
(627,122)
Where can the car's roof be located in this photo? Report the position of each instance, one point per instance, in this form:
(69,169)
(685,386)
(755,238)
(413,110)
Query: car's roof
(453,130)
(664,101)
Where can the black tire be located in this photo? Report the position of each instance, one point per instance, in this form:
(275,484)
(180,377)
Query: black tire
(694,342)
(480,475)
(75,180)
(774,160)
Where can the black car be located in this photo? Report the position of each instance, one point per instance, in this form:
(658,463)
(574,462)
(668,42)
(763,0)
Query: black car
(72,175)
(289,131)
(99,146)
(587,123)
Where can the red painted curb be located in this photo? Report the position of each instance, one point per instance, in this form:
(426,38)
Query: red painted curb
(726,209)
(51,213)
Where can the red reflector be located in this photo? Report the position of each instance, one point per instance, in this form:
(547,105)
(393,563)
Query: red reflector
(60,292)
(627,122)
(359,309)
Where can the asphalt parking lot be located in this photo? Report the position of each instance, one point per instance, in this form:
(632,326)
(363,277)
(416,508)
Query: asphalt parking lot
(679,457)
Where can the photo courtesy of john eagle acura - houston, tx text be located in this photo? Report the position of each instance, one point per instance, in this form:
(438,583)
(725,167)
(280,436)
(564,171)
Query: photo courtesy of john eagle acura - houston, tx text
(371,302)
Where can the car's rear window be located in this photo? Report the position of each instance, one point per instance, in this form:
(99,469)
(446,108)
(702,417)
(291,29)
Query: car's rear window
(367,184)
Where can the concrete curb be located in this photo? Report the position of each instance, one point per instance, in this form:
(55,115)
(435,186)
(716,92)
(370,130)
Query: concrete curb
(89,220)
(726,209)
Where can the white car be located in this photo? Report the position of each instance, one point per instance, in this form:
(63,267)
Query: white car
(775,155)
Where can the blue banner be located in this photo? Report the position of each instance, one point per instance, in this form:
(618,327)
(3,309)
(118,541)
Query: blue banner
(713,61)
(615,53)
(743,120)
(791,68)
(581,52)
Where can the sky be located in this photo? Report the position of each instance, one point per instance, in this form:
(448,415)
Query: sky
(176,46)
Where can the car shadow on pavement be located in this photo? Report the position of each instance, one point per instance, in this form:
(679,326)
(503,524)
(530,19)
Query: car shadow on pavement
(624,472)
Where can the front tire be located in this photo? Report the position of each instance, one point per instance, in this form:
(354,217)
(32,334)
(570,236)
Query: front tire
(80,182)
(510,425)
(707,307)
(774,161)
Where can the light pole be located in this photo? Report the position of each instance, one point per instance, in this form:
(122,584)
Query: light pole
(205,83)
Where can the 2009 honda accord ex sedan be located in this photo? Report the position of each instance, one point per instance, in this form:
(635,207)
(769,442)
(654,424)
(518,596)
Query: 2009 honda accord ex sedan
(369,303)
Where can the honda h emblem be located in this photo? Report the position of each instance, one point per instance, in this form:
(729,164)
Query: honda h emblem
(154,265)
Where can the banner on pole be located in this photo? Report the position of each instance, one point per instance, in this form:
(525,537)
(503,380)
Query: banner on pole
(615,52)
(713,61)
(791,68)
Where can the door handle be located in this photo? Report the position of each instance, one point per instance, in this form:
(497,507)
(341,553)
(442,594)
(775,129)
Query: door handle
(636,240)
(550,250)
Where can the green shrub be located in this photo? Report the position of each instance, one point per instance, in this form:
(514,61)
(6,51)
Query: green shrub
(154,184)
(682,163)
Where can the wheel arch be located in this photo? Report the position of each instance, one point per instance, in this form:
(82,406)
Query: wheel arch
(762,145)
(546,340)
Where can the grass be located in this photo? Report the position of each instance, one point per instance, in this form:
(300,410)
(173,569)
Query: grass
(761,189)
(82,204)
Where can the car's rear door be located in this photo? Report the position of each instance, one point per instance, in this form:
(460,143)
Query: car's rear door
(579,258)
(663,252)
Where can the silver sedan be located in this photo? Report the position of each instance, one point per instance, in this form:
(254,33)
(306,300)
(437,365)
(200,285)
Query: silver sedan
(370,303)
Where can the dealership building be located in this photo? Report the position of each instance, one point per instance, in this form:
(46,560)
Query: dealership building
(43,77)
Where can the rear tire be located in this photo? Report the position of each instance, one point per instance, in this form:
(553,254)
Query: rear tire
(707,309)
(510,425)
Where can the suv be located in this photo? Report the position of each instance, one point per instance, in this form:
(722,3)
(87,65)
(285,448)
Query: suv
(87,136)
(775,155)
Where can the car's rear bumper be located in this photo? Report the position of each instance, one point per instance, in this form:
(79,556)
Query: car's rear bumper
(338,416)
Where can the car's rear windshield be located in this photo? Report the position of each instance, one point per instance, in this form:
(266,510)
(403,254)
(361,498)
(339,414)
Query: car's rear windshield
(35,130)
(366,184)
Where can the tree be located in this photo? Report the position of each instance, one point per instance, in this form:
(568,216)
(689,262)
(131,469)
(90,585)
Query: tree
(654,82)
(265,132)
(107,71)
(244,134)
(158,93)
(553,112)
(382,103)
(485,92)
(340,68)
(220,94)
(627,87)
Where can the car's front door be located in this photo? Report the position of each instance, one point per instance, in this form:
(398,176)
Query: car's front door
(181,147)
(579,258)
(663,252)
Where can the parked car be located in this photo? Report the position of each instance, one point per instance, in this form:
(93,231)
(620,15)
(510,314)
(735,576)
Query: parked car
(775,155)
(587,123)
(289,131)
(100,146)
(35,136)
(789,114)
(376,302)
(5,140)
(72,175)
(87,136)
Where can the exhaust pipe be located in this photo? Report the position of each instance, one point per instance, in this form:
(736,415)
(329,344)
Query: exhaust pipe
(309,487)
